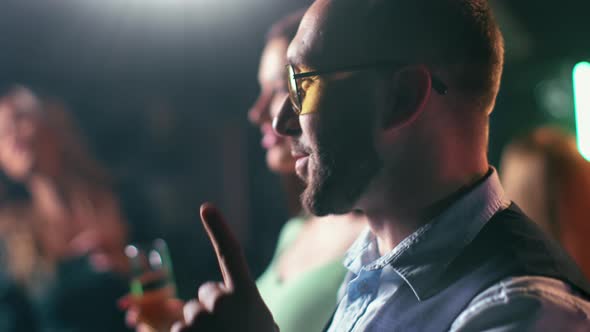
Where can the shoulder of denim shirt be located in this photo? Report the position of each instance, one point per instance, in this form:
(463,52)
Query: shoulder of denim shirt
(527,303)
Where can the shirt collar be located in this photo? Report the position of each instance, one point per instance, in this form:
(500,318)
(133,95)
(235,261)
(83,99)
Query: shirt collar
(422,257)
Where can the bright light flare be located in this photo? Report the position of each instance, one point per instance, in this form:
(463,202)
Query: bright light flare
(581,76)
(162,2)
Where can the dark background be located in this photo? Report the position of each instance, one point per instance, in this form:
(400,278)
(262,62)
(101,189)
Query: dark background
(161,89)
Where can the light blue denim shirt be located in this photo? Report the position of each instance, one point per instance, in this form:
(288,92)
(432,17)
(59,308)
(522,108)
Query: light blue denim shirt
(513,304)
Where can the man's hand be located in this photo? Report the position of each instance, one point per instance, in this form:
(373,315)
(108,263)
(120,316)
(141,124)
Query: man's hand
(234,304)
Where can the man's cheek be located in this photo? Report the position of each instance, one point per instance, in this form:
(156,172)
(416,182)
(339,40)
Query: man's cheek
(310,126)
(313,98)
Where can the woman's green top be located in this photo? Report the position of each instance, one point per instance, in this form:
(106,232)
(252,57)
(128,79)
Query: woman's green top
(306,302)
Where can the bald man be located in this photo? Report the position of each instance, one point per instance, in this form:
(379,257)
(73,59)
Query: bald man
(388,113)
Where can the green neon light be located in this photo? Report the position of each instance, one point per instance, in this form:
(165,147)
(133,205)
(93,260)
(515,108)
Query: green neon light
(582,103)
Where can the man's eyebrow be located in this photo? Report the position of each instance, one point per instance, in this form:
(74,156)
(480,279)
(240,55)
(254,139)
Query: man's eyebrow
(300,63)
(297,58)
(294,60)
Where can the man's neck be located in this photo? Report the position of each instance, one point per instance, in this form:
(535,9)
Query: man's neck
(395,222)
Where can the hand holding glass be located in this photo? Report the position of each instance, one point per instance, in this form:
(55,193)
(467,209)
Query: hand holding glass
(152,283)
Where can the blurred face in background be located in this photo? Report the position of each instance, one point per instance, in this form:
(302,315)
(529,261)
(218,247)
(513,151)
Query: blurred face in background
(17,131)
(26,142)
(524,177)
(271,77)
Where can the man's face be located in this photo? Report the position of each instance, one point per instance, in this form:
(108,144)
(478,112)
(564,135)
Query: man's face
(334,145)
(338,141)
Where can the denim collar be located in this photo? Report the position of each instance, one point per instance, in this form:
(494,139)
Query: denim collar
(422,257)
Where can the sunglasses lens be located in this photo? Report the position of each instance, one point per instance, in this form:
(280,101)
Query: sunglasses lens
(293,92)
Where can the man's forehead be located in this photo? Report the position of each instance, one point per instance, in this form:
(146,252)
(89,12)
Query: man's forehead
(300,50)
(330,34)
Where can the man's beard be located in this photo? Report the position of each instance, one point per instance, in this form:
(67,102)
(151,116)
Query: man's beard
(336,180)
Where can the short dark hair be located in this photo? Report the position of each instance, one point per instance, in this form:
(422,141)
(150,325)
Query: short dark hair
(286,27)
(461,36)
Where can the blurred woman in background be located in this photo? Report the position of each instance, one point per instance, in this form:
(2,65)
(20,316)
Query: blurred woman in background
(301,283)
(64,243)
(548,178)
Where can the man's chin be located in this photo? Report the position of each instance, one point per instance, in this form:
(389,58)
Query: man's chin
(316,210)
(304,181)
(321,203)
(322,210)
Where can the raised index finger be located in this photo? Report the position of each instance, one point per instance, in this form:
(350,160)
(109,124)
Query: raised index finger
(229,252)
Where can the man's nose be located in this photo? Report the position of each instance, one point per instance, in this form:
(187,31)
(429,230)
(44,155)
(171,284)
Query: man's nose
(286,123)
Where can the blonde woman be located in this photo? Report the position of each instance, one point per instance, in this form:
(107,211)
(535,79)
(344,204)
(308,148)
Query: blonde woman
(64,243)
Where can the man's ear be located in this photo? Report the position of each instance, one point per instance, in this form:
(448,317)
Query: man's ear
(410,90)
